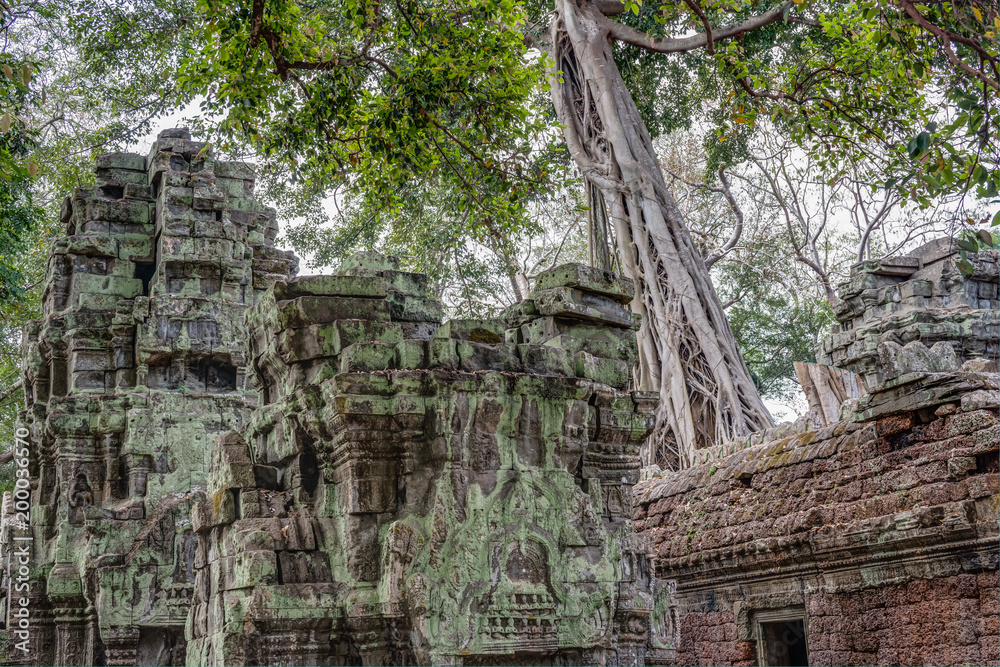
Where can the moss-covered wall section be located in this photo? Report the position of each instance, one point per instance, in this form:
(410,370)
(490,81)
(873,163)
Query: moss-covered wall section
(411,492)
(136,367)
(870,541)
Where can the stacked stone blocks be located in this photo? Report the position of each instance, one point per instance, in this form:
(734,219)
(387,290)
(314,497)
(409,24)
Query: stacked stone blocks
(418,492)
(920,299)
(137,363)
(877,535)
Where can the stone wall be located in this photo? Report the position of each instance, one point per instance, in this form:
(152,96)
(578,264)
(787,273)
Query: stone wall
(137,365)
(232,466)
(920,298)
(873,540)
(415,493)
(894,520)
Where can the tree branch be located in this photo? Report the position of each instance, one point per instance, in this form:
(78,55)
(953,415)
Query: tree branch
(946,40)
(630,35)
(737,230)
(6,393)
(725,191)
(610,7)
(709,42)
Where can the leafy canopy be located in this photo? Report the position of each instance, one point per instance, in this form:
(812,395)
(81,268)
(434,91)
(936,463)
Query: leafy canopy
(380,97)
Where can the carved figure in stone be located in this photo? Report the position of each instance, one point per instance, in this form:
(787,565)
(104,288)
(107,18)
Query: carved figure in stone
(81,495)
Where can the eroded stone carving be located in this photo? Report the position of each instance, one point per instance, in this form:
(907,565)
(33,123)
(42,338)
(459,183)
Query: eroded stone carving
(453,494)
(232,466)
(137,364)
(921,298)
(866,532)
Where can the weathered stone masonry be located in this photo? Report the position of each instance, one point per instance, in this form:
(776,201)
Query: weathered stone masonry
(877,537)
(137,365)
(231,465)
(410,493)
(234,467)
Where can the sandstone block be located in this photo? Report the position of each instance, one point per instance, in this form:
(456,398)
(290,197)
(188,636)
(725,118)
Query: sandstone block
(404,308)
(342,286)
(308,310)
(611,372)
(367,357)
(477,331)
(545,360)
(588,279)
(576,304)
(370,260)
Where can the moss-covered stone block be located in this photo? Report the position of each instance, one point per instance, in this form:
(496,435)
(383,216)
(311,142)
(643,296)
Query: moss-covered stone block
(307,310)
(544,360)
(401,282)
(323,285)
(405,308)
(413,354)
(480,357)
(366,357)
(598,343)
(611,372)
(476,331)
(589,279)
(370,260)
(443,353)
(130,161)
(577,304)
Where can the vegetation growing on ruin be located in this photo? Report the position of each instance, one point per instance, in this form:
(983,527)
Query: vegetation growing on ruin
(435,125)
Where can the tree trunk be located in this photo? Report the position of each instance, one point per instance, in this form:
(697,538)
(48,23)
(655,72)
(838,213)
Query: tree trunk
(686,349)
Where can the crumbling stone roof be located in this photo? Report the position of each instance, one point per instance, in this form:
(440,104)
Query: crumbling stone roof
(873,539)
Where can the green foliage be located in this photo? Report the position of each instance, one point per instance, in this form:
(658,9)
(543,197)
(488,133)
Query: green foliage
(383,99)
(19,214)
(429,119)
(80,77)
(108,71)
(773,331)
(974,240)
(867,77)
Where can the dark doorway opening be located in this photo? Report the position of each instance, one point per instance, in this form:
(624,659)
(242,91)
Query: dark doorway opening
(145,271)
(784,644)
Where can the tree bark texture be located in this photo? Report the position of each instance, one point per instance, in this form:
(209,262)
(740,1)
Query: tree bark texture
(826,388)
(686,349)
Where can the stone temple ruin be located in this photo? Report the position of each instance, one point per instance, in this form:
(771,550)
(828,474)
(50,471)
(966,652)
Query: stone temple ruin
(869,540)
(232,465)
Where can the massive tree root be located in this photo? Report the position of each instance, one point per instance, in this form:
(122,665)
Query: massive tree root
(686,349)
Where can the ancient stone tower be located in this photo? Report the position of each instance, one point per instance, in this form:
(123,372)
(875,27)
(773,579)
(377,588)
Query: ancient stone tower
(136,367)
(233,466)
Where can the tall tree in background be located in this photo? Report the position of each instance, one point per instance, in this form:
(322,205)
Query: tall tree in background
(441,94)
(19,213)
(831,92)
(375,94)
(777,234)
(687,350)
